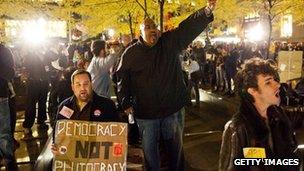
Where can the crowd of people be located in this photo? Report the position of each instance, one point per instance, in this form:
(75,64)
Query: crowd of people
(152,78)
(215,66)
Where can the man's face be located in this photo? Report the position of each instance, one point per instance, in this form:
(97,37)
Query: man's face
(102,53)
(149,32)
(82,87)
(268,91)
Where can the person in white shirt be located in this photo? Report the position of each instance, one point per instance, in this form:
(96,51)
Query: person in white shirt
(192,69)
(100,67)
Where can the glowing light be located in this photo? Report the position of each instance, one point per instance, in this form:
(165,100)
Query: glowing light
(111,32)
(34,32)
(256,33)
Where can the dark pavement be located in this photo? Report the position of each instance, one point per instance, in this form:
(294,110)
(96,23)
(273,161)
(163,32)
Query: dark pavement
(203,131)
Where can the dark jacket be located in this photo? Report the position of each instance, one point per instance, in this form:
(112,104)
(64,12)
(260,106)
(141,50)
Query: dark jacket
(150,78)
(106,107)
(248,129)
(7,71)
(230,63)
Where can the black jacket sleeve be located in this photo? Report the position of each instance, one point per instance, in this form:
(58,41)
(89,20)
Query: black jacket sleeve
(233,141)
(124,82)
(188,30)
(112,113)
(58,117)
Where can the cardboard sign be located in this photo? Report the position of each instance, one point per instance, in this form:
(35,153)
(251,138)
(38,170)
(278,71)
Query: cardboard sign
(290,65)
(90,146)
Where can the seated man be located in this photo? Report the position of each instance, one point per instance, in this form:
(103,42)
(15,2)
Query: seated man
(85,104)
(259,121)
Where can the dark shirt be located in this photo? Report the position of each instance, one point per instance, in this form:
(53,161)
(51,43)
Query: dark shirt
(7,71)
(83,114)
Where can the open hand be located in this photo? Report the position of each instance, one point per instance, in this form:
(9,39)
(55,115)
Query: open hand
(54,149)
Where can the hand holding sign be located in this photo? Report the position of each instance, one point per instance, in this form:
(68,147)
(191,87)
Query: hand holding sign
(54,149)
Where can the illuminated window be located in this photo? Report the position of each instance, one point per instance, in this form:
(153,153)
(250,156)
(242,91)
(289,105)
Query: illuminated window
(286,26)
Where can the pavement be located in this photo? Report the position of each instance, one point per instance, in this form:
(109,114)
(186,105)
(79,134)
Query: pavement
(202,140)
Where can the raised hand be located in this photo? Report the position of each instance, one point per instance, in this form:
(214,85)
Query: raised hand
(211,4)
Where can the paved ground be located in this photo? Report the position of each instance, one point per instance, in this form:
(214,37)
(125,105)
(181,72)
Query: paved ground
(203,131)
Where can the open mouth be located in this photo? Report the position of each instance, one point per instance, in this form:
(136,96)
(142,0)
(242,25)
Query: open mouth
(83,93)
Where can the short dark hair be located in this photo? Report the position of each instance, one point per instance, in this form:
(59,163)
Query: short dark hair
(97,46)
(79,72)
(247,76)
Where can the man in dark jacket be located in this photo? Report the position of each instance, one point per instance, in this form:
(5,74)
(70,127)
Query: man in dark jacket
(7,73)
(85,104)
(230,65)
(151,85)
(259,122)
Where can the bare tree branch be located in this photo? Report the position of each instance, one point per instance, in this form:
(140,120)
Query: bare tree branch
(142,7)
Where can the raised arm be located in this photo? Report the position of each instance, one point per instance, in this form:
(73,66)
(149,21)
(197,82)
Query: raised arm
(191,27)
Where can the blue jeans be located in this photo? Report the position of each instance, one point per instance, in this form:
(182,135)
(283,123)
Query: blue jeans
(6,138)
(170,129)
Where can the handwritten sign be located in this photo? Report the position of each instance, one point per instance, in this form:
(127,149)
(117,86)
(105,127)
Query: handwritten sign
(290,65)
(90,146)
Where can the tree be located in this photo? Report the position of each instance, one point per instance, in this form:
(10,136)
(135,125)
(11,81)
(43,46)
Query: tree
(272,10)
(125,15)
(297,11)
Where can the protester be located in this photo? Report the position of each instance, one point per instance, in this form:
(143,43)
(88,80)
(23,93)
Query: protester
(85,104)
(259,121)
(193,72)
(7,73)
(151,85)
(99,68)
